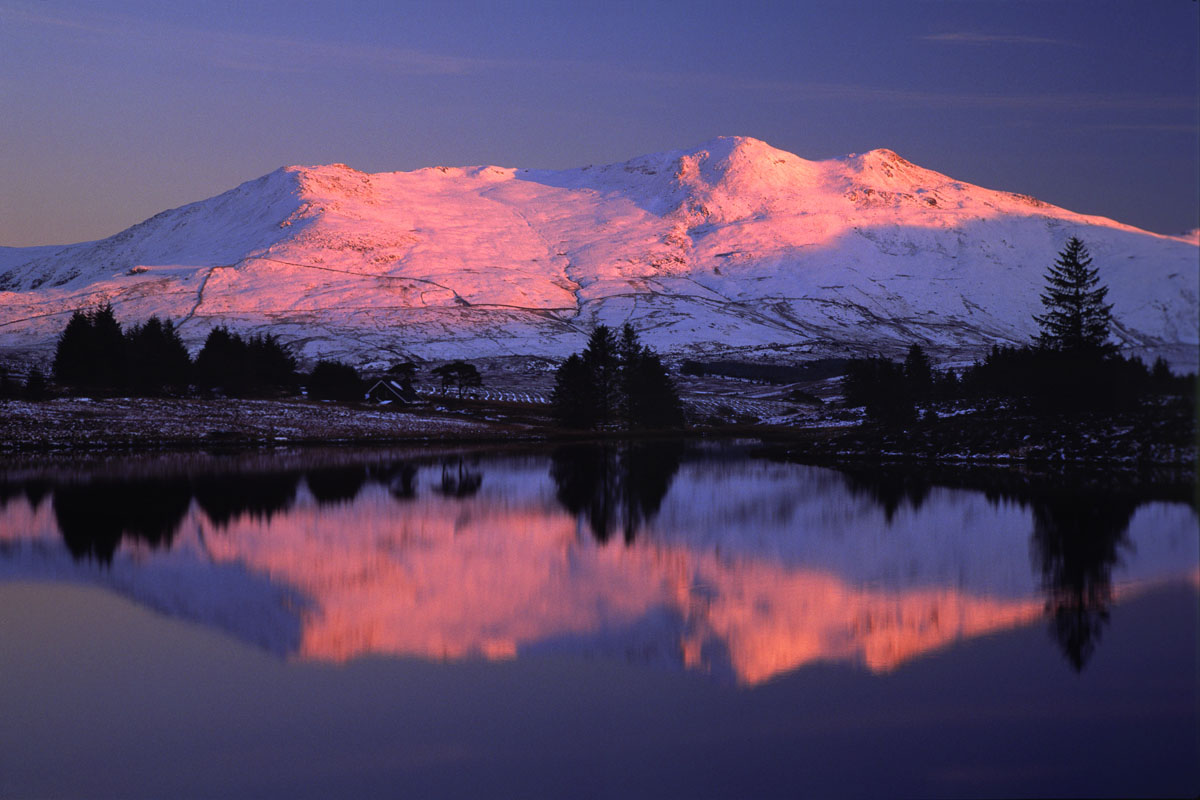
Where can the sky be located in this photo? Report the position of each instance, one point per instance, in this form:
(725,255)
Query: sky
(113,111)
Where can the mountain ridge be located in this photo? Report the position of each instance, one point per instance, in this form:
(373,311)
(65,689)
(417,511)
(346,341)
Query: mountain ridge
(733,246)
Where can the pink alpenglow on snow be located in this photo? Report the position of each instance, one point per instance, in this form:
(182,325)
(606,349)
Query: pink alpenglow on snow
(733,246)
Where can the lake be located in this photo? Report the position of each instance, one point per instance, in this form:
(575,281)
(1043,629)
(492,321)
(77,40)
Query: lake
(652,619)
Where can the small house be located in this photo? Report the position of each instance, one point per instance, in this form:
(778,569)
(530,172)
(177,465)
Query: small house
(390,391)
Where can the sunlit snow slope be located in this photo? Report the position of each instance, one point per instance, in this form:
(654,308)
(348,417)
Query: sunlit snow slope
(731,247)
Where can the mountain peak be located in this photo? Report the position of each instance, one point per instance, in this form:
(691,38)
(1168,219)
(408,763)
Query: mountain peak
(730,245)
(889,164)
(880,154)
(732,153)
(740,146)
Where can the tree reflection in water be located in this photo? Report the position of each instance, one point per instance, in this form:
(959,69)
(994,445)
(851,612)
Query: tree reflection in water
(36,490)
(1077,537)
(94,516)
(459,479)
(1079,528)
(333,485)
(889,488)
(619,485)
(400,478)
(261,495)
(8,490)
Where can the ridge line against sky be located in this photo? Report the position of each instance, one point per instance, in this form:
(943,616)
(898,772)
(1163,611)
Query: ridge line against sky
(122,109)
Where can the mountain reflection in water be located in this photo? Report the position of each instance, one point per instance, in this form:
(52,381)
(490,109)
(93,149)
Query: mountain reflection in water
(736,566)
(1080,530)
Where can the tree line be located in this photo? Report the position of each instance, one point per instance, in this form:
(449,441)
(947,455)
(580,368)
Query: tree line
(1071,365)
(616,383)
(94,353)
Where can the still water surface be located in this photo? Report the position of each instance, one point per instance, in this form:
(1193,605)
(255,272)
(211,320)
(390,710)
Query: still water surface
(651,619)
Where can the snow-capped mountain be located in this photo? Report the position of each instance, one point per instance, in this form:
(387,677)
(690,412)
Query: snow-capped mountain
(730,247)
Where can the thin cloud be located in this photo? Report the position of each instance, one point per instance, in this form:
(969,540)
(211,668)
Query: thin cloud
(965,37)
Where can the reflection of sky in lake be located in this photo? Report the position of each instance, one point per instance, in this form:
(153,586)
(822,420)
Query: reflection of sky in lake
(743,569)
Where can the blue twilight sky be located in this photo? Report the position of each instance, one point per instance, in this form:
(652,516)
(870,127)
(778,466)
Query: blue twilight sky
(113,111)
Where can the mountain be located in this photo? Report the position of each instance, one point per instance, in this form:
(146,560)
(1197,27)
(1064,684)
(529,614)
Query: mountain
(733,247)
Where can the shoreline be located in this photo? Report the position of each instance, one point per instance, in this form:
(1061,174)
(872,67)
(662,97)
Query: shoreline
(133,425)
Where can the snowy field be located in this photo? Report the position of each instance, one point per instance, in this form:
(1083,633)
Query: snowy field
(144,422)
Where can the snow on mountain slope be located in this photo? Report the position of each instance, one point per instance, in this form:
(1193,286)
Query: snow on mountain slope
(730,247)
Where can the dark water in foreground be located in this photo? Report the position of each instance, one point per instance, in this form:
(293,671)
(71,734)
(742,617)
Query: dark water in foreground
(641,620)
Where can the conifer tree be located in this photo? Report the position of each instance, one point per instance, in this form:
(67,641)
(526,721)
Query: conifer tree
(601,362)
(1077,320)
(35,385)
(572,397)
(466,376)
(333,380)
(72,356)
(111,365)
(271,365)
(882,386)
(223,363)
(157,357)
(918,371)
(616,382)
(91,351)
(444,373)
(648,395)
(652,401)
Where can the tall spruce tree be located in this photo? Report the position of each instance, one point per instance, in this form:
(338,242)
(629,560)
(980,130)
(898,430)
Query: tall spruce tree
(602,364)
(918,371)
(1077,320)
(272,366)
(74,353)
(112,360)
(35,385)
(572,398)
(158,358)
(91,351)
(649,398)
(223,363)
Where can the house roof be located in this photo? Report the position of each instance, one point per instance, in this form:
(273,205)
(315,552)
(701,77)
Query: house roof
(392,387)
